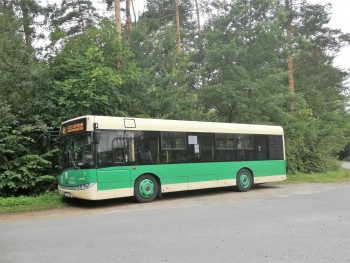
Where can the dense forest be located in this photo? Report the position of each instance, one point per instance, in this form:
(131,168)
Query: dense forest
(241,61)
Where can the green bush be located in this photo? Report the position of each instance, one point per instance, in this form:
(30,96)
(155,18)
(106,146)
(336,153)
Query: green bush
(23,176)
(22,166)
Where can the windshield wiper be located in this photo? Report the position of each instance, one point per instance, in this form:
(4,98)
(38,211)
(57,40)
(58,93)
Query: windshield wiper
(71,159)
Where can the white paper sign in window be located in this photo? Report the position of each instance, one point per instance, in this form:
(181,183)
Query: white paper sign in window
(196,148)
(192,139)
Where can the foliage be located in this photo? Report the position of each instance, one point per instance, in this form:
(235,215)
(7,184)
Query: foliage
(22,78)
(165,89)
(21,170)
(27,11)
(317,130)
(70,18)
(248,87)
(91,75)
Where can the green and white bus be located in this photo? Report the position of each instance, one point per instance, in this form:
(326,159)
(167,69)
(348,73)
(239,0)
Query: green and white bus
(110,157)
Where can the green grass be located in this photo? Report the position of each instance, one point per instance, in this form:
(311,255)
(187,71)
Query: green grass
(46,201)
(339,176)
(52,200)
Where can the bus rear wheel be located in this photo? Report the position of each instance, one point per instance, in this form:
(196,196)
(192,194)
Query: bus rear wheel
(244,180)
(145,189)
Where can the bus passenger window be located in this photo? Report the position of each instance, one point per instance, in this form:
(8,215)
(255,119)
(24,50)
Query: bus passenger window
(148,148)
(260,147)
(276,147)
(173,147)
(225,147)
(200,147)
(244,147)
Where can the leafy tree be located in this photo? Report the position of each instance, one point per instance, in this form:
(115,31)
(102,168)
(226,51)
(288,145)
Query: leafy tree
(320,87)
(86,80)
(22,77)
(156,54)
(27,12)
(167,88)
(22,169)
(243,63)
(161,14)
(70,18)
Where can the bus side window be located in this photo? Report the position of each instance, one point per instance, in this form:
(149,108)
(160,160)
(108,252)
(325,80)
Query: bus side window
(148,148)
(260,147)
(243,147)
(118,147)
(276,147)
(225,147)
(173,147)
(200,147)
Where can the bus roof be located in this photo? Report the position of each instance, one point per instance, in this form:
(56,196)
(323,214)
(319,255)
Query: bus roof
(143,124)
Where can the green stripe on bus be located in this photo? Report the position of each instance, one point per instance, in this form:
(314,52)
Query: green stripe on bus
(119,177)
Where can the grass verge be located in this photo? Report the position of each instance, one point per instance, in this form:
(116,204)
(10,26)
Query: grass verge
(339,176)
(45,201)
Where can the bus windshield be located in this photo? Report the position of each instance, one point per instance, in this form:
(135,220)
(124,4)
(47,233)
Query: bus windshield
(76,151)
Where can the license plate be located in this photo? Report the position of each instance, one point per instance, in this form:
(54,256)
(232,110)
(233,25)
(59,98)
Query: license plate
(66,194)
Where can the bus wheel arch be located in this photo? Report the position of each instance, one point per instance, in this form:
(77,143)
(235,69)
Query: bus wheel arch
(244,180)
(146,188)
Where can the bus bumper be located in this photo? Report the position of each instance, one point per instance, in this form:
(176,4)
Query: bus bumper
(88,194)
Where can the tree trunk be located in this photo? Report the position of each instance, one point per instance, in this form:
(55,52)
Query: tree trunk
(133,10)
(26,24)
(200,42)
(118,19)
(128,19)
(178,46)
(198,21)
(289,4)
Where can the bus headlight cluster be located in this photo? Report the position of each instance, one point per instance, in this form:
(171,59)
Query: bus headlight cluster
(83,186)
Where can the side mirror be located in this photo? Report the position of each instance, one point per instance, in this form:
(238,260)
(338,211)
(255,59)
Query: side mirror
(96,136)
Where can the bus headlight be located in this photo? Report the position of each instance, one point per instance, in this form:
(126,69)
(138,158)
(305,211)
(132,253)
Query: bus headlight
(84,186)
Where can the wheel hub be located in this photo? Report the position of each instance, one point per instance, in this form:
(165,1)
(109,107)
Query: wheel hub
(146,188)
(244,180)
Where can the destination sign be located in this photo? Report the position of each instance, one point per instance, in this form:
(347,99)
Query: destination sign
(73,127)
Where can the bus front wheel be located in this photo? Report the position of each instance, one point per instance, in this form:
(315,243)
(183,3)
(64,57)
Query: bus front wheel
(244,180)
(145,189)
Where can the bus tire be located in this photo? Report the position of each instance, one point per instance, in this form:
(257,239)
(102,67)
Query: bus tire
(146,188)
(244,180)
